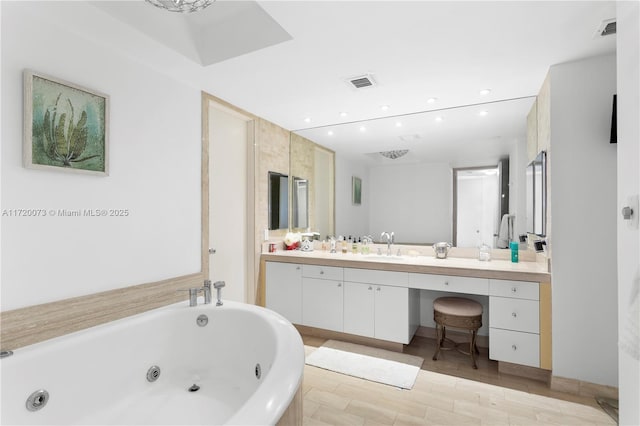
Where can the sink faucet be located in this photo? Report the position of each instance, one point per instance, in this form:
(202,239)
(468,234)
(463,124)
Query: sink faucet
(389,239)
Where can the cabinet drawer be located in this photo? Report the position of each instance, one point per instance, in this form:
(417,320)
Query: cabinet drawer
(322,272)
(514,314)
(515,347)
(449,283)
(516,289)
(370,276)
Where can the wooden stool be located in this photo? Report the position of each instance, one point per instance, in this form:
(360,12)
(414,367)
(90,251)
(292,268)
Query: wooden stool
(457,312)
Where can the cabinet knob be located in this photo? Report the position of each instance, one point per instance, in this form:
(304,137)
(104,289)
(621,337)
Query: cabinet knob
(446,283)
(321,272)
(378,289)
(370,288)
(297,268)
(513,314)
(513,289)
(339,284)
(514,347)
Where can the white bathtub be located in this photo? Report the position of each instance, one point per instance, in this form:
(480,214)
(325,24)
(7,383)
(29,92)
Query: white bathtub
(99,375)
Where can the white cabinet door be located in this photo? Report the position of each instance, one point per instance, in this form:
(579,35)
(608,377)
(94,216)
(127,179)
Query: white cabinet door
(359,309)
(284,290)
(392,313)
(322,303)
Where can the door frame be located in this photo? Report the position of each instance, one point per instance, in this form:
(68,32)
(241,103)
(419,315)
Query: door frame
(454,234)
(252,263)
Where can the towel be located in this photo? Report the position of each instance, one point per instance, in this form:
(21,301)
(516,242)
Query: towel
(503,235)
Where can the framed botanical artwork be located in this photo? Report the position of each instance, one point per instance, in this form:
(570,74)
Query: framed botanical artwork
(356,190)
(66,126)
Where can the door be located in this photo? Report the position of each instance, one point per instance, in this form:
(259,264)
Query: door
(322,303)
(392,313)
(359,309)
(228,201)
(284,290)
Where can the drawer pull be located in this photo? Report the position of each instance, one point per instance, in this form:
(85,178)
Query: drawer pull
(513,289)
(321,272)
(514,347)
(513,314)
(297,268)
(446,283)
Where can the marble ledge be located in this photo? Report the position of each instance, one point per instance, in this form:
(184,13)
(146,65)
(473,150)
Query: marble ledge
(533,270)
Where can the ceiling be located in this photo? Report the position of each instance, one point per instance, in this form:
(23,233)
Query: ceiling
(291,61)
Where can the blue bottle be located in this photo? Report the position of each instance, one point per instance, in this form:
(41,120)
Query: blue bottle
(514,251)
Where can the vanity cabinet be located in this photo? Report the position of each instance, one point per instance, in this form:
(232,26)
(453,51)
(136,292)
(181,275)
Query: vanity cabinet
(514,318)
(322,297)
(284,292)
(379,304)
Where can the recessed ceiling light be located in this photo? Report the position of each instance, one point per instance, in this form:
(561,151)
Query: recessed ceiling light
(438,118)
(330,133)
(343,114)
(363,129)
(484,92)
(431,100)
(307,120)
(398,124)
(483,113)
(384,107)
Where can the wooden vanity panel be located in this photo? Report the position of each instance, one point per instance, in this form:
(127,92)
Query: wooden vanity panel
(545,326)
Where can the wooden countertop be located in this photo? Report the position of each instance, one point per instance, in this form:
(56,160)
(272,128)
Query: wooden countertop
(458,266)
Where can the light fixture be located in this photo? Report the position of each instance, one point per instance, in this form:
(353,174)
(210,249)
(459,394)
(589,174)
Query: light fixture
(363,129)
(483,113)
(439,119)
(330,133)
(343,114)
(307,120)
(484,92)
(396,153)
(184,6)
(398,123)
(384,107)
(431,100)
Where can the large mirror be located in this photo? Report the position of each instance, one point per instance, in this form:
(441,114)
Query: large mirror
(312,190)
(409,189)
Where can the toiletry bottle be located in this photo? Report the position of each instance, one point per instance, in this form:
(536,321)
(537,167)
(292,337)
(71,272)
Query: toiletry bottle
(332,245)
(354,246)
(514,251)
(344,245)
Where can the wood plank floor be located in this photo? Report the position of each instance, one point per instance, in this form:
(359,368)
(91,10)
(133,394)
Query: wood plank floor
(446,392)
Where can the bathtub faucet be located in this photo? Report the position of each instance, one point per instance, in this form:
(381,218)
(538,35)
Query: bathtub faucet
(218,286)
(207,291)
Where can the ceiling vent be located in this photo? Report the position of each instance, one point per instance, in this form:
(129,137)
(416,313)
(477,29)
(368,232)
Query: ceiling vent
(362,81)
(606,27)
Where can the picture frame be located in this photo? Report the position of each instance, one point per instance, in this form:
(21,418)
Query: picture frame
(66,126)
(356,190)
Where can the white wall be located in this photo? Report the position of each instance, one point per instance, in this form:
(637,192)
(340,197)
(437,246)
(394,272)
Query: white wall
(628,81)
(350,219)
(583,203)
(413,201)
(154,166)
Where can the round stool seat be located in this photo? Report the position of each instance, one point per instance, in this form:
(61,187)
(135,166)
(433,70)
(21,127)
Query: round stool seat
(457,306)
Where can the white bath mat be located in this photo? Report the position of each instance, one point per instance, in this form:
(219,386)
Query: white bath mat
(378,365)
